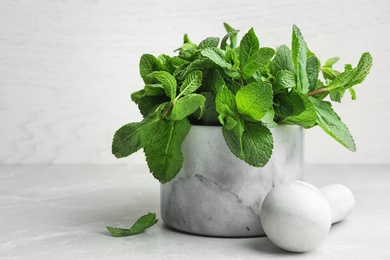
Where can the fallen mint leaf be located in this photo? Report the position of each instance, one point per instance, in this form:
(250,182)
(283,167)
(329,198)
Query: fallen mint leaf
(143,223)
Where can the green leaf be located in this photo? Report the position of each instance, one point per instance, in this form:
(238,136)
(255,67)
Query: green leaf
(331,123)
(164,63)
(288,104)
(213,81)
(257,144)
(283,60)
(285,79)
(337,96)
(254,99)
(188,50)
(186,39)
(351,77)
(148,104)
(257,61)
(168,81)
(307,118)
(353,93)
(233,138)
(179,63)
(268,119)
(191,83)
(186,105)
(217,56)
(299,55)
(137,95)
(225,102)
(231,56)
(312,71)
(148,64)
(143,223)
(329,73)
(331,61)
(201,63)
(131,137)
(209,42)
(231,35)
(154,89)
(206,115)
(163,152)
(230,123)
(248,45)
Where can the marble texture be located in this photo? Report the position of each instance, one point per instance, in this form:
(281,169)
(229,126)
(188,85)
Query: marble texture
(60,212)
(217,194)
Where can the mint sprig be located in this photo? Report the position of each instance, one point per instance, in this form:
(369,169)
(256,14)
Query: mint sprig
(143,223)
(246,88)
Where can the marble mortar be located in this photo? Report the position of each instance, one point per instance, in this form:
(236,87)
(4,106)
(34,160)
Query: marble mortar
(217,194)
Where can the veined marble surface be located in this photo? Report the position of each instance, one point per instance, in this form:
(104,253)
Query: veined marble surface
(60,212)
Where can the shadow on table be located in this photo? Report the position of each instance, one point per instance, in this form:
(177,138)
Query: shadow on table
(259,244)
(264,245)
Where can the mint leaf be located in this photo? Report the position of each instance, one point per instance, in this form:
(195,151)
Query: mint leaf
(299,56)
(351,77)
(336,96)
(163,152)
(288,104)
(307,118)
(283,60)
(143,223)
(147,64)
(213,81)
(154,89)
(148,104)
(207,114)
(312,71)
(257,61)
(201,63)
(164,63)
(168,81)
(258,144)
(131,137)
(230,123)
(231,56)
(248,45)
(209,42)
(188,51)
(352,92)
(331,123)
(225,102)
(217,56)
(185,106)
(285,79)
(268,119)
(179,64)
(191,83)
(231,35)
(254,100)
(331,61)
(233,137)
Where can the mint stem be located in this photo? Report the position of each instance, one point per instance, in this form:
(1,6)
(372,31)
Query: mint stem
(166,111)
(317,91)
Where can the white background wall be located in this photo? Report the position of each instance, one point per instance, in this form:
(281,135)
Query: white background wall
(67,68)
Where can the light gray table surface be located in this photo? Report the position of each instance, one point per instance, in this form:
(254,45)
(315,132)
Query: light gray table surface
(60,212)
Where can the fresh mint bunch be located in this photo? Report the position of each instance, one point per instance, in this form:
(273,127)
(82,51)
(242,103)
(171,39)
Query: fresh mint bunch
(247,89)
